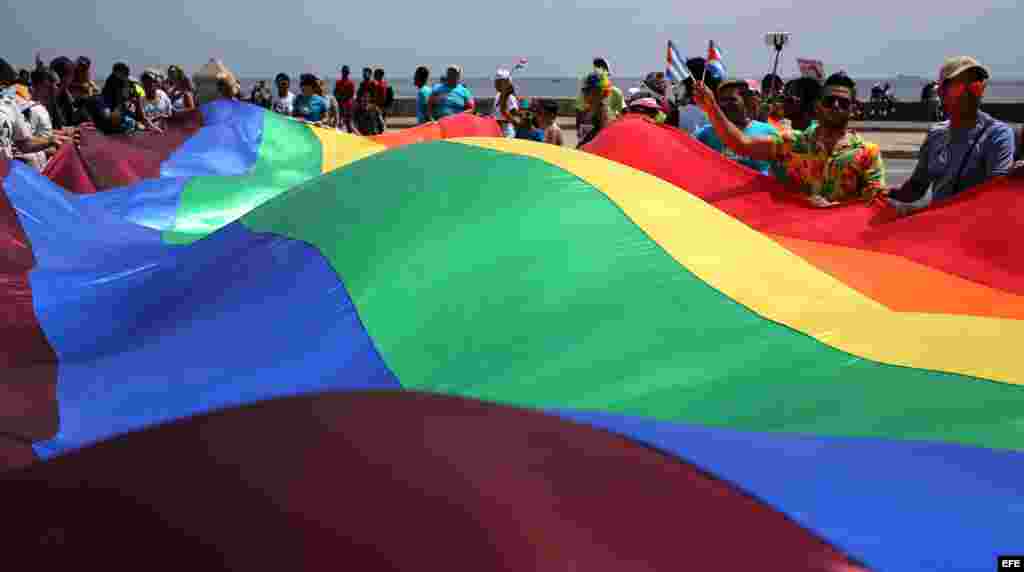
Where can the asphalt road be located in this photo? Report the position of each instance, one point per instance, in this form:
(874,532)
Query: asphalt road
(898,170)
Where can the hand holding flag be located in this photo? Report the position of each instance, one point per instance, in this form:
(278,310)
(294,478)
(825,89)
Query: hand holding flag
(703,97)
(714,62)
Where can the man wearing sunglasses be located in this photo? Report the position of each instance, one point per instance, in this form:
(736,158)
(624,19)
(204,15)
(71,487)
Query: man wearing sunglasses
(829,162)
(967,150)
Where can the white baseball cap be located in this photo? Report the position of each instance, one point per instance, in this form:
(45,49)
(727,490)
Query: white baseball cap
(502,73)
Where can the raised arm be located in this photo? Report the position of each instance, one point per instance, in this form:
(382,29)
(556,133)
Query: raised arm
(757,148)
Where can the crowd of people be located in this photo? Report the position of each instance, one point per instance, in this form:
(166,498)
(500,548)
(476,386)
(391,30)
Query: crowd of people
(833,165)
(46,107)
(361,109)
(796,131)
(799,131)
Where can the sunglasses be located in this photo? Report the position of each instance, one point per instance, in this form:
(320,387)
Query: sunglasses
(831,101)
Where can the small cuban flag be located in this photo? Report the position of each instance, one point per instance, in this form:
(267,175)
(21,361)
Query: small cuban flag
(714,63)
(675,69)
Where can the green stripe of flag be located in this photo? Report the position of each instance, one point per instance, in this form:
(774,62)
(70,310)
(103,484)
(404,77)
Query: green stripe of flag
(289,154)
(505,278)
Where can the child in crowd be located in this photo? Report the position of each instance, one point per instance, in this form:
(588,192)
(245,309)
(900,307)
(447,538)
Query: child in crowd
(526,123)
(548,120)
(536,121)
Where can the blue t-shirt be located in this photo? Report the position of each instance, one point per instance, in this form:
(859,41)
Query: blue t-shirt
(692,119)
(422,95)
(531,134)
(707,136)
(944,151)
(312,108)
(451,100)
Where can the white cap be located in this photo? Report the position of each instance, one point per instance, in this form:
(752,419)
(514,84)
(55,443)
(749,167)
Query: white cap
(502,73)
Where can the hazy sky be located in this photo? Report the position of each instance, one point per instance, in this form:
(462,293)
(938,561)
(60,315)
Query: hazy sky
(867,38)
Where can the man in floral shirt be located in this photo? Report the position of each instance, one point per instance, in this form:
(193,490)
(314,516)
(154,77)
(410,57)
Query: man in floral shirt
(830,163)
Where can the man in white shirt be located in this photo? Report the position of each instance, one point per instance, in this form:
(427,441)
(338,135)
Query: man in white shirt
(40,125)
(284,99)
(15,132)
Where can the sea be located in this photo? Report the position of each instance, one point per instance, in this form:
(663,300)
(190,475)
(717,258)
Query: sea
(904,88)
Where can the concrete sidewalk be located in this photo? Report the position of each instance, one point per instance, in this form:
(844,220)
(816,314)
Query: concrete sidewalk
(897,144)
(898,140)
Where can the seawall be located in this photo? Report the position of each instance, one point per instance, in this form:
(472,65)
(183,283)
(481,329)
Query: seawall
(1012,112)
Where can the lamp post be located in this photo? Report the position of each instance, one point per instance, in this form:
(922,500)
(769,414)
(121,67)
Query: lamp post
(776,41)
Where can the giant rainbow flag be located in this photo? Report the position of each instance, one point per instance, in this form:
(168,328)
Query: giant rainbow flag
(248,343)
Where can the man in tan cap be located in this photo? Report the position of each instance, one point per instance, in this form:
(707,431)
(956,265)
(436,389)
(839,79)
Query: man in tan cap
(967,150)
